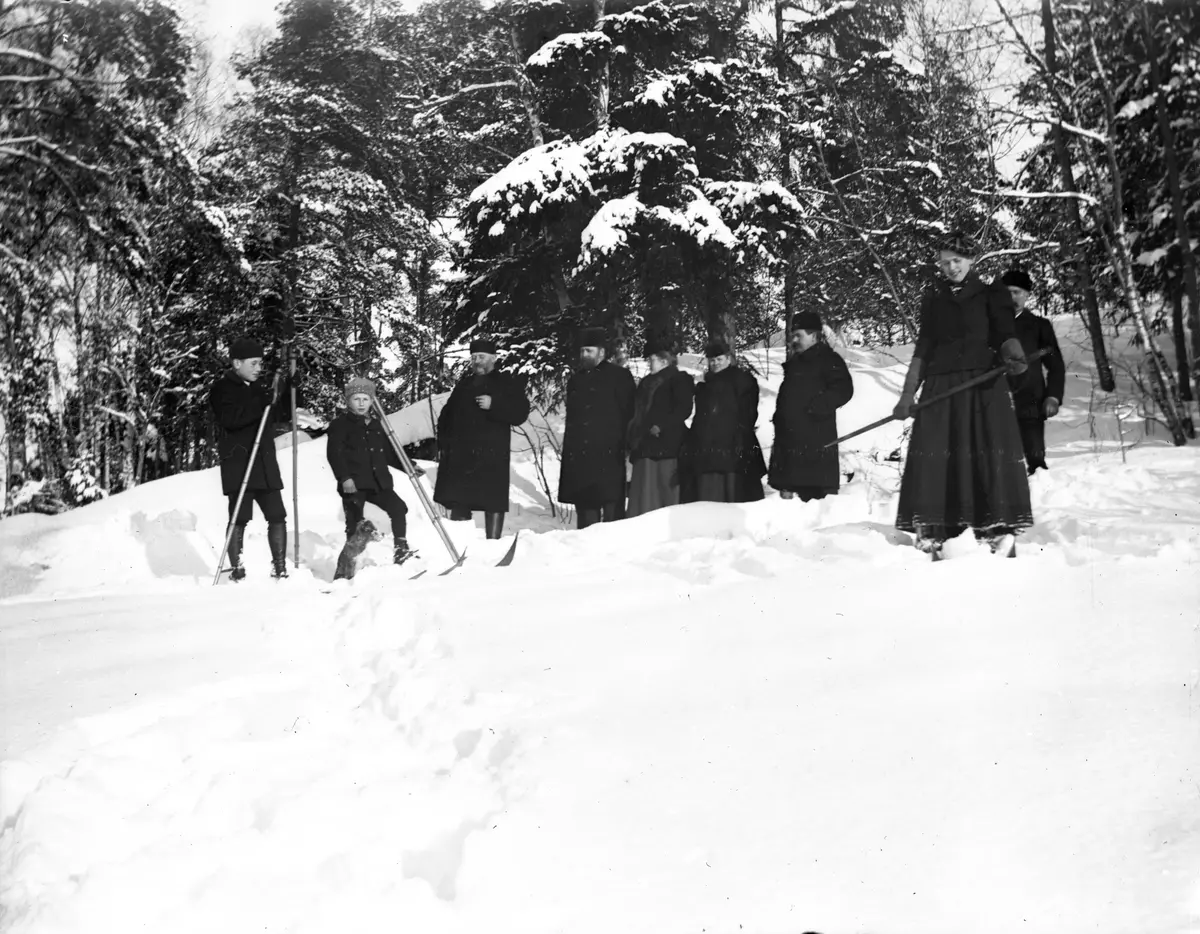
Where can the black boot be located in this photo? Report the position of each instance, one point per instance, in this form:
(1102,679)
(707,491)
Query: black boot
(400,550)
(236,570)
(277,540)
(493,524)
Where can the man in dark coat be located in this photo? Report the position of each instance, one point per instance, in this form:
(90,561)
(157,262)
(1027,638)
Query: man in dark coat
(474,432)
(816,383)
(965,466)
(722,450)
(359,453)
(599,409)
(1037,393)
(238,401)
(661,408)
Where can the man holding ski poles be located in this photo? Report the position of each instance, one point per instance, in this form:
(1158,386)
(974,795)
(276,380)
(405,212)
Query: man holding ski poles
(249,469)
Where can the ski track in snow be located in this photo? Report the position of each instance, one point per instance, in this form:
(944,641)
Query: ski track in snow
(773,717)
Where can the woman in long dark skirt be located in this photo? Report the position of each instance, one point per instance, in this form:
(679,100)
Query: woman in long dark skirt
(966,465)
(661,408)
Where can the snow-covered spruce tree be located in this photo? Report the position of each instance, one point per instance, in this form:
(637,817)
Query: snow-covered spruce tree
(1086,100)
(311,162)
(643,203)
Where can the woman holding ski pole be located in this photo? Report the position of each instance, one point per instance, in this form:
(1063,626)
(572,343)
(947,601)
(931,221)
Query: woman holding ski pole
(965,466)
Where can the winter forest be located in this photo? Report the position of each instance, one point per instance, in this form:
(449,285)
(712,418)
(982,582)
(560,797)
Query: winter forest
(377,181)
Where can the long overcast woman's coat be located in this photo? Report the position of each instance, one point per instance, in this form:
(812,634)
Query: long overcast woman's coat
(816,383)
(599,408)
(474,444)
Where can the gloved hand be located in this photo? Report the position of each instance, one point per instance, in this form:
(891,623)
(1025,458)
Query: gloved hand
(349,487)
(908,395)
(1013,355)
(903,408)
(1050,407)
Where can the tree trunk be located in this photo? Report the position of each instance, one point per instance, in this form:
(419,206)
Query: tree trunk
(1180,338)
(790,274)
(602,83)
(1074,226)
(557,277)
(1187,258)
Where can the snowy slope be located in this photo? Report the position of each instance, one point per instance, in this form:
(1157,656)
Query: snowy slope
(768,718)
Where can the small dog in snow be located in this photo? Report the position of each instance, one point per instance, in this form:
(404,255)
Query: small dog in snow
(351,554)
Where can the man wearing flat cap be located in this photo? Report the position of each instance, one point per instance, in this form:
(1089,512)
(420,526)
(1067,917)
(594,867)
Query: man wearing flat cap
(473,431)
(816,383)
(722,451)
(238,401)
(1038,392)
(599,409)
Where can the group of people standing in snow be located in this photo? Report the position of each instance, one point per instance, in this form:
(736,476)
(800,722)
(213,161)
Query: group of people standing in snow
(969,455)
(612,419)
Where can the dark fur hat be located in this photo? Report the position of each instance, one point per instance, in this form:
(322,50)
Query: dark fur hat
(593,337)
(1019,278)
(806,321)
(717,348)
(245,348)
(484,345)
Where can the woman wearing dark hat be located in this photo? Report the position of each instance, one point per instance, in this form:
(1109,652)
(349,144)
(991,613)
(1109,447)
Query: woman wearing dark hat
(661,408)
(722,450)
(599,409)
(238,401)
(965,466)
(474,432)
(360,454)
(1039,392)
(816,383)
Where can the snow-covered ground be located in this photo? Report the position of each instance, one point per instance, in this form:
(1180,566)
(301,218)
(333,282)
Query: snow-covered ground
(764,718)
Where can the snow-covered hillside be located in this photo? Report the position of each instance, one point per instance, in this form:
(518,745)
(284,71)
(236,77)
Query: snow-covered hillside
(763,718)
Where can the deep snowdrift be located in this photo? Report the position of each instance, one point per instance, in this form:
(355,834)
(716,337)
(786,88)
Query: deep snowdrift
(767,718)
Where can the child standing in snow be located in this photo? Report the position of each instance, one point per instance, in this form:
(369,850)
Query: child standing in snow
(816,383)
(359,452)
(966,465)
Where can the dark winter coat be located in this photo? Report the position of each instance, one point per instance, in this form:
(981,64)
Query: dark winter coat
(816,383)
(722,438)
(1045,378)
(599,409)
(474,445)
(962,334)
(238,407)
(663,399)
(359,450)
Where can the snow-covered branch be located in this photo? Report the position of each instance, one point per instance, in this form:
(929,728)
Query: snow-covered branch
(1038,195)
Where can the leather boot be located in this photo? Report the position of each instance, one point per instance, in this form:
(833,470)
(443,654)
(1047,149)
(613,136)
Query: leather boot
(401,552)
(494,524)
(237,571)
(277,540)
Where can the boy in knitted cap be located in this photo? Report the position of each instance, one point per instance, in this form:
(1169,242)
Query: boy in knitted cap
(360,453)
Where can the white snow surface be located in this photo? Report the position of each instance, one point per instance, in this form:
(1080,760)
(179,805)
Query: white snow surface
(773,717)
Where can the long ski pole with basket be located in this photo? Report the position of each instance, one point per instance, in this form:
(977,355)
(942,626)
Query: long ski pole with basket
(422,494)
(262,425)
(941,397)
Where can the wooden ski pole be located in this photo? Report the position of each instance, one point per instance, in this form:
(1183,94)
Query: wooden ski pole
(262,424)
(941,397)
(409,469)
